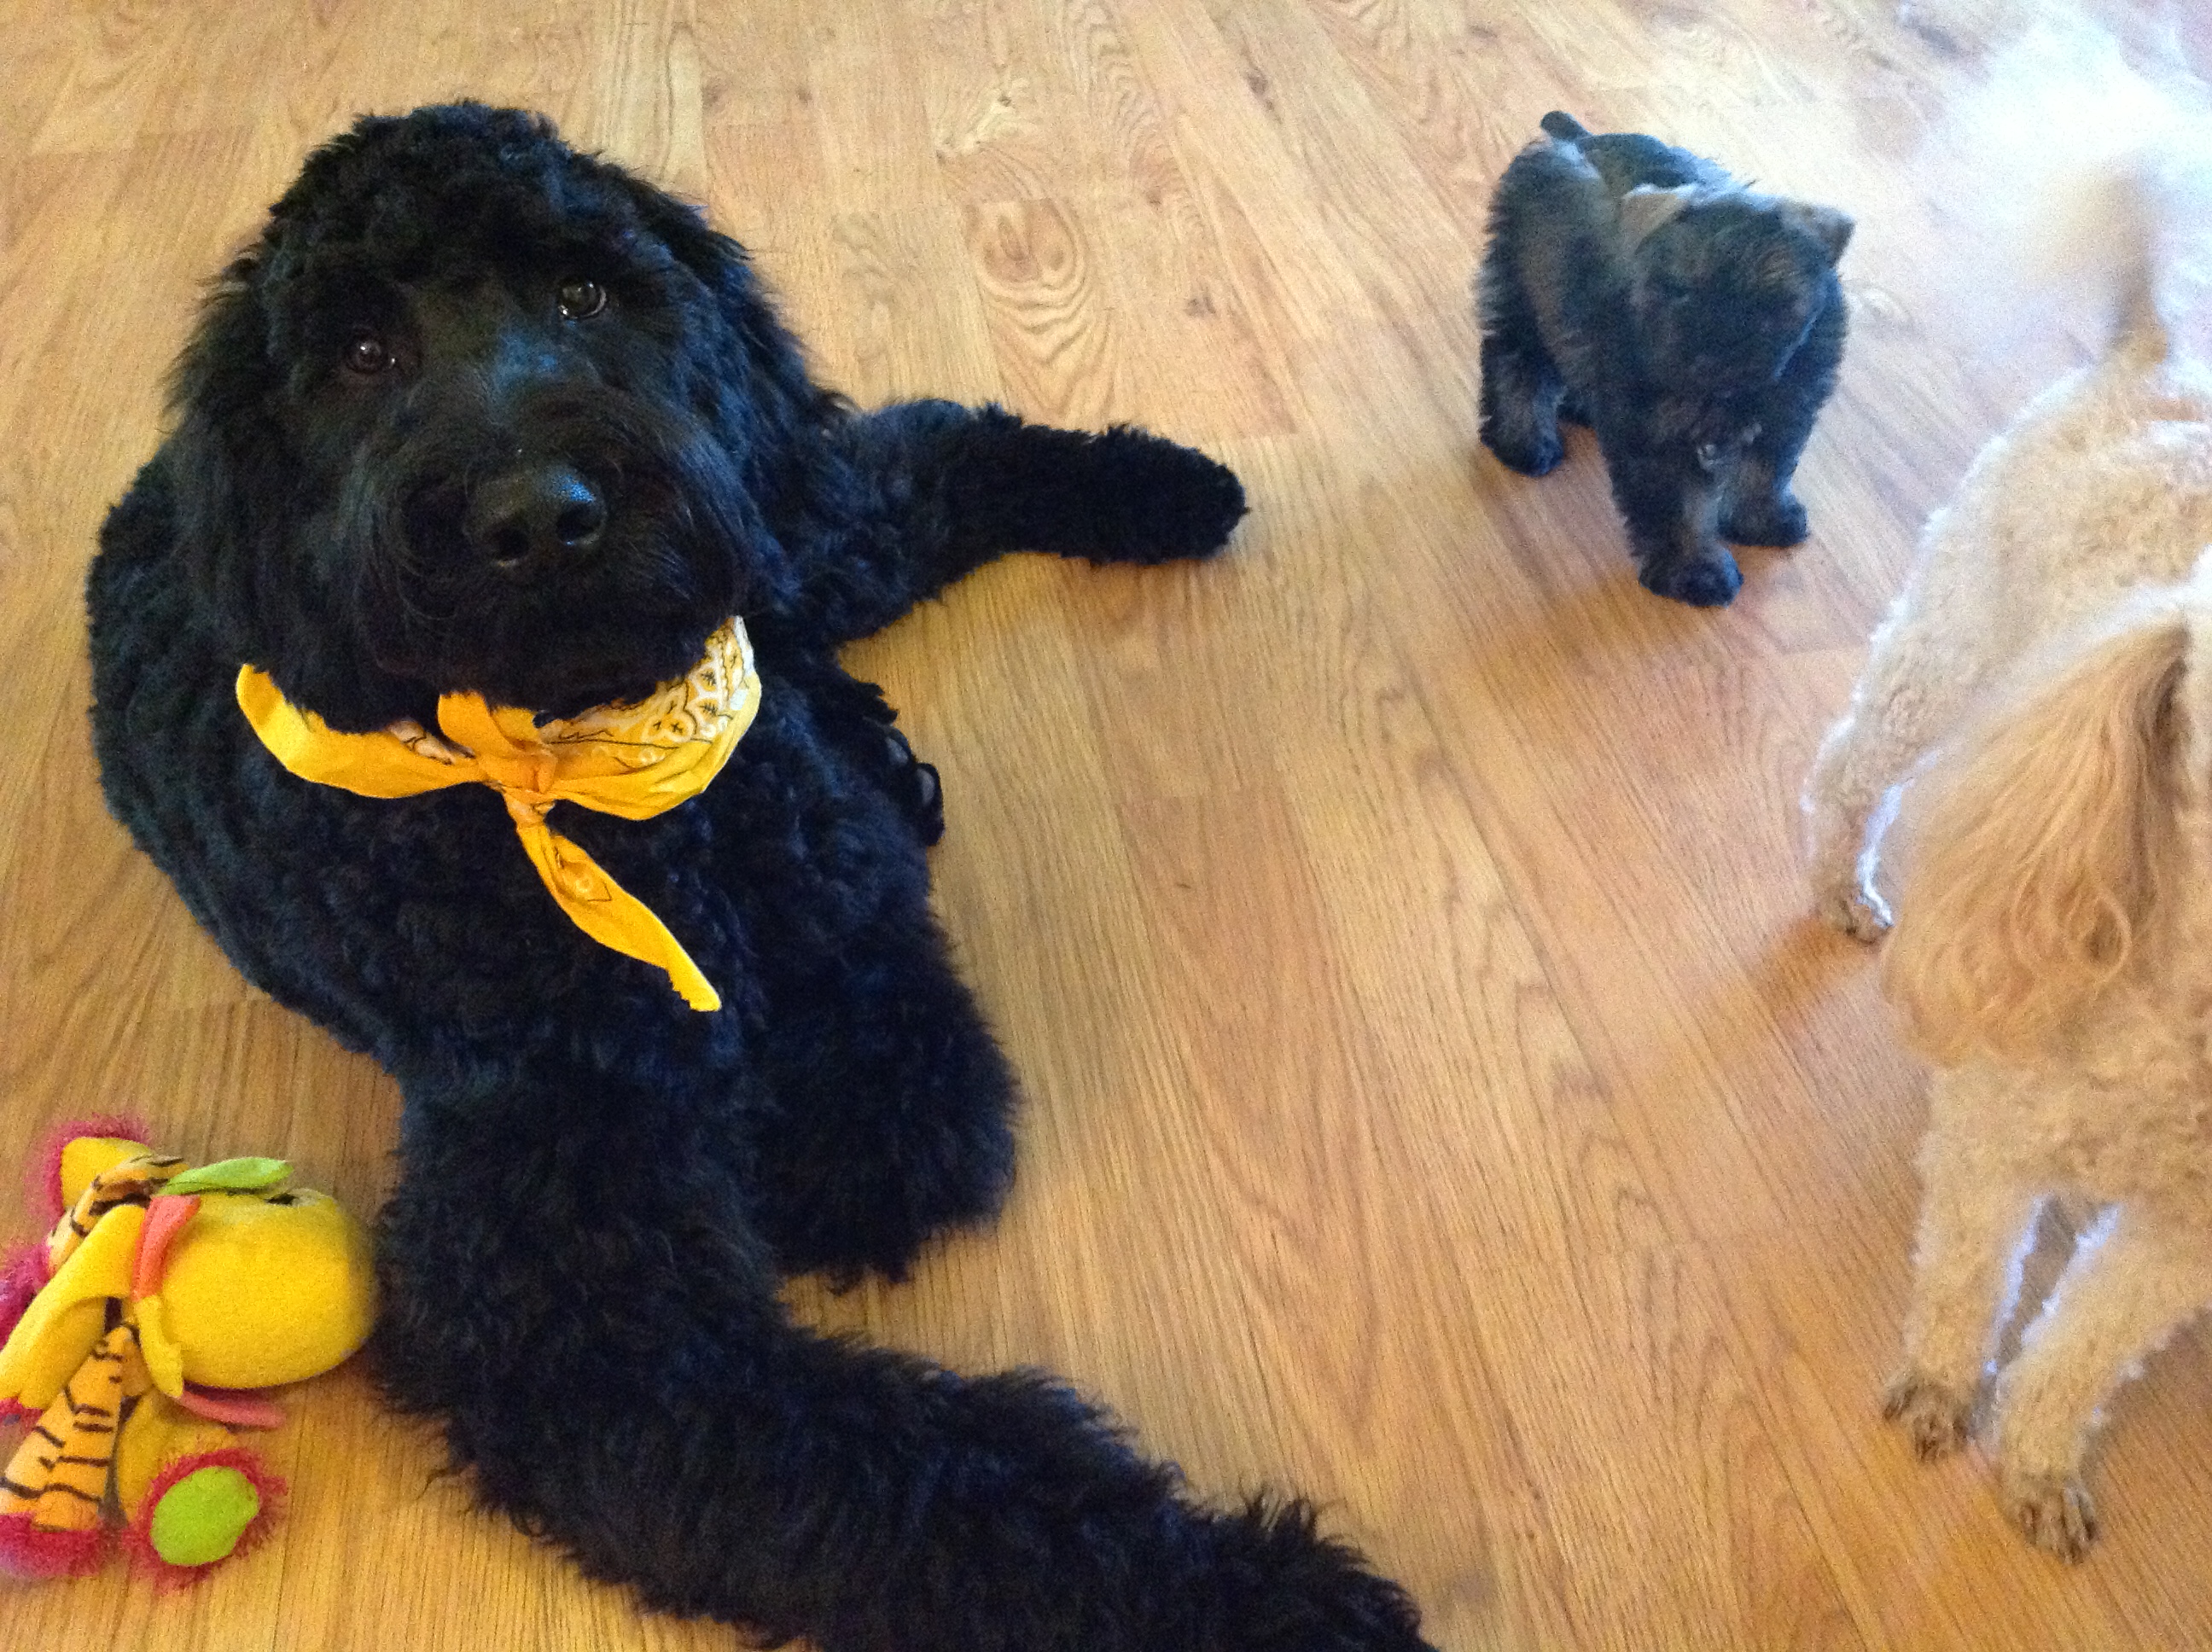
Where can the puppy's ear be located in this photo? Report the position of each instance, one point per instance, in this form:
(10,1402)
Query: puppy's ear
(1831,229)
(2034,846)
(1645,210)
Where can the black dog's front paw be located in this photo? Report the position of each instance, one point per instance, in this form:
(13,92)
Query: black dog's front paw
(1769,519)
(1117,495)
(1710,582)
(915,785)
(873,1210)
(1163,501)
(1292,1590)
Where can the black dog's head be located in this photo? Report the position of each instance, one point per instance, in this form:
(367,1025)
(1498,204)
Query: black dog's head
(1727,283)
(478,412)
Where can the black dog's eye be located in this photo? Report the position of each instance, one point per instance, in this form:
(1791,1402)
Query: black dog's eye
(367,354)
(581,300)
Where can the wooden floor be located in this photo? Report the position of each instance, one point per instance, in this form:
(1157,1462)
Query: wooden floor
(1438,1101)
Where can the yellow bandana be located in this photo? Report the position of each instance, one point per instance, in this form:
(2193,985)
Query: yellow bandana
(635,761)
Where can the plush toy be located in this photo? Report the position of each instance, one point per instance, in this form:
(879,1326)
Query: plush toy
(136,1334)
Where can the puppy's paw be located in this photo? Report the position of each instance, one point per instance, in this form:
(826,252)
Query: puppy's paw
(1932,1412)
(1773,519)
(1532,452)
(1703,582)
(2054,1510)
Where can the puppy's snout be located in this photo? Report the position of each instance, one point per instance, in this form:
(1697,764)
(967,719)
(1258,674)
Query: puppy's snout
(534,516)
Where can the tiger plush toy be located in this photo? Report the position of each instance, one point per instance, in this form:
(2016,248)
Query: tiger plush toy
(136,1333)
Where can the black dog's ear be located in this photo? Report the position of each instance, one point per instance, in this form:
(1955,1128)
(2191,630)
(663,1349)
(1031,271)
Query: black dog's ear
(1831,229)
(725,270)
(234,483)
(774,411)
(227,344)
(222,449)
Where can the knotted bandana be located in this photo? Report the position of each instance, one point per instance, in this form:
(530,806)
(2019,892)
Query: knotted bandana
(634,760)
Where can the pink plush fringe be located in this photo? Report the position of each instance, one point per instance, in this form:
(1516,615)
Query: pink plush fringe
(138,1538)
(23,1274)
(45,1169)
(28,1552)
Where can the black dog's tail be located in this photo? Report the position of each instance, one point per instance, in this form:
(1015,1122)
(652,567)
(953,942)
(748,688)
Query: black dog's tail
(570,1289)
(938,490)
(1563,126)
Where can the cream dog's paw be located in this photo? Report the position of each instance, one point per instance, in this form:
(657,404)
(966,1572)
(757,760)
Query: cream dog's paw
(1844,907)
(2054,1510)
(1932,1412)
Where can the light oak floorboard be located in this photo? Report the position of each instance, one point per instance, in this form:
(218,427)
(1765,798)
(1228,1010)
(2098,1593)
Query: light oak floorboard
(1438,1099)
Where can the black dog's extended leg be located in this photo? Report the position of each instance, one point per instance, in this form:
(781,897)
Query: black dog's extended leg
(1520,410)
(1522,388)
(1669,509)
(946,488)
(571,1287)
(1760,508)
(891,1112)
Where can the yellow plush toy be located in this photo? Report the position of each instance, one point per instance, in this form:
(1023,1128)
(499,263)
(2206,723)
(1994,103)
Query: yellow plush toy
(163,1297)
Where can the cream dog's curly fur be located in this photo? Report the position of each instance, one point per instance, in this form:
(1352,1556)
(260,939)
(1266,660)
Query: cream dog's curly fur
(2045,685)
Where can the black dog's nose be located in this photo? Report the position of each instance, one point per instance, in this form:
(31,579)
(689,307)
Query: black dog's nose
(536,514)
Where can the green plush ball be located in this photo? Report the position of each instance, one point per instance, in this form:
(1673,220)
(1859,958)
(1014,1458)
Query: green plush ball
(201,1517)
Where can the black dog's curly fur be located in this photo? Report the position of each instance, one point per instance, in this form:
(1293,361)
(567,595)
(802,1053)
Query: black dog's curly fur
(600,1187)
(1694,324)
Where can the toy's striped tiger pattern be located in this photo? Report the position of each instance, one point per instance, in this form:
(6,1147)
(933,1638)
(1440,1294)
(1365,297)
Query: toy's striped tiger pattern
(59,1475)
(133,1181)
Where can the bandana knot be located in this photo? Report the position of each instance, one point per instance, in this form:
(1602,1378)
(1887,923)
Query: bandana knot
(635,761)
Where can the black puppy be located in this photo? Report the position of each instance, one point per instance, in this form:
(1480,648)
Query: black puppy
(479,421)
(1694,324)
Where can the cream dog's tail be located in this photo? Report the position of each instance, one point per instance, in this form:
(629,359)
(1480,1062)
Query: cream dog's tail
(2089,177)
(2129,229)
(2043,851)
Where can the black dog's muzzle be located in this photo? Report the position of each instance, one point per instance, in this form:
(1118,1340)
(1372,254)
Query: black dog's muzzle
(534,517)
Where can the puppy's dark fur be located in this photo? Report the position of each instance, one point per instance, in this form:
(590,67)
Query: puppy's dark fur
(478,413)
(1694,324)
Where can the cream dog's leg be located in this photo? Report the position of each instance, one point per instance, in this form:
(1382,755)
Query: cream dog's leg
(1976,1218)
(2128,1288)
(1900,707)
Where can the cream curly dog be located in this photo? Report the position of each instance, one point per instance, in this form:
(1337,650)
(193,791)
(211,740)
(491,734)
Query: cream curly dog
(2045,684)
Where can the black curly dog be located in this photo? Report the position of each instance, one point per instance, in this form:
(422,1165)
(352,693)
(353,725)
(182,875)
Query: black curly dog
(478,413)
(1694,324)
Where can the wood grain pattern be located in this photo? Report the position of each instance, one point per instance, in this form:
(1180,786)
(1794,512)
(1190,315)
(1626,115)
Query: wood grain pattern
(1438,1099)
